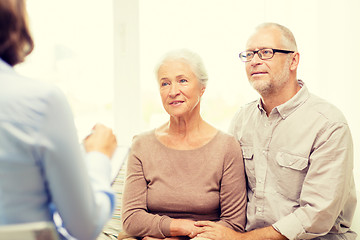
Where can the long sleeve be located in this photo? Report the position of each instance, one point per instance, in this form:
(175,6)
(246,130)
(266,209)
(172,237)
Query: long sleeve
(327,191)
(83,205)
(135,208)
(233,196)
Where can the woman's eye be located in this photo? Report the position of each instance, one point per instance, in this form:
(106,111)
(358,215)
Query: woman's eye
(183,80)
(164,84)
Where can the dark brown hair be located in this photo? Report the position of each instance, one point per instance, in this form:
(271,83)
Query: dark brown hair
(15,39)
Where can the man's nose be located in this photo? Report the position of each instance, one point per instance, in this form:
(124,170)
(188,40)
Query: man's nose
(256,59)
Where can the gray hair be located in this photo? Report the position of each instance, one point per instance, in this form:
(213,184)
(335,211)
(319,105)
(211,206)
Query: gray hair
(288,39)
(193,59)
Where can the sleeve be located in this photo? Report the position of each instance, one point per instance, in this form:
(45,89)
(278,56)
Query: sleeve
(327,186)
(233,197)
(137,221)
(84,205)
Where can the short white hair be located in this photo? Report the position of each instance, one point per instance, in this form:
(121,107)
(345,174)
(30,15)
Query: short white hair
(288,39)
(193,59)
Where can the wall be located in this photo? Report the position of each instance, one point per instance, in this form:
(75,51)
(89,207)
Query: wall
(327,34)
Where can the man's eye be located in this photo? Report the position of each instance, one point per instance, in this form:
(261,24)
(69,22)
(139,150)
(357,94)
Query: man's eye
(183,80)
(164,84)
(267,52)
(249,54)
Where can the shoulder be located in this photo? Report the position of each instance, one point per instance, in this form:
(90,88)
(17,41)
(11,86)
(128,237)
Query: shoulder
(245,112)
(326,110)
(19,87)
(26,100)
(249,107)
(225,137)
(228,142)
(230,150)
(144,140)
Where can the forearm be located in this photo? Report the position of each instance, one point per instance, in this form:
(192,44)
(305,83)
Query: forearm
(143,224)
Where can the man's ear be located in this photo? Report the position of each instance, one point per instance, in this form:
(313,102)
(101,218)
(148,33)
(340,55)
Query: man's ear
(294,61)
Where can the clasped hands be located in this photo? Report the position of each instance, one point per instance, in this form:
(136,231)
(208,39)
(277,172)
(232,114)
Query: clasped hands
(201,230)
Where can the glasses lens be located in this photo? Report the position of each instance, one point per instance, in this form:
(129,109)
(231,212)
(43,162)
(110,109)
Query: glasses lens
(246,56)
(266,53)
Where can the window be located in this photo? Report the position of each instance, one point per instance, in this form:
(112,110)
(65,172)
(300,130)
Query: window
(74,50)
(96,56)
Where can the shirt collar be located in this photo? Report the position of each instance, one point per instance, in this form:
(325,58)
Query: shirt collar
(260,106)
(290,106)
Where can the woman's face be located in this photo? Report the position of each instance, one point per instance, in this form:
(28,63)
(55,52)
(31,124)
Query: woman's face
(180,89)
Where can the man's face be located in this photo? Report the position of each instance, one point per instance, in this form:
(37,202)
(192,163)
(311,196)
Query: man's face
(267,76)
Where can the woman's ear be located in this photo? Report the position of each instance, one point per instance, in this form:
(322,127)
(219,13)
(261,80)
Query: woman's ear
(202,90)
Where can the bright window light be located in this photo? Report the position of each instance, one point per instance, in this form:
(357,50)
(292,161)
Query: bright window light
(74,50)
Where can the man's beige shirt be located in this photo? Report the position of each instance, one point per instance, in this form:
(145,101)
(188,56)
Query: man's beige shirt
(299,166)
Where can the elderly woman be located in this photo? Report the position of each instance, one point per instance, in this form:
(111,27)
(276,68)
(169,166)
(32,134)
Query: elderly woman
(185,170)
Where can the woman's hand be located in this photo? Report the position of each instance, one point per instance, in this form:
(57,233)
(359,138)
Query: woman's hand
(183,227)
(101,140)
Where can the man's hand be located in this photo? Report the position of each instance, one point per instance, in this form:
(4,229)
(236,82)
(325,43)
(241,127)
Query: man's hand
(175,238)
(169,238)
(214,231)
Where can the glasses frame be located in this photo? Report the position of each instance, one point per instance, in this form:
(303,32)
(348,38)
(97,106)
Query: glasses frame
(260,56)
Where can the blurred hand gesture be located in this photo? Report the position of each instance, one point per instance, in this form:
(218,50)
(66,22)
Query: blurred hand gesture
(102,139)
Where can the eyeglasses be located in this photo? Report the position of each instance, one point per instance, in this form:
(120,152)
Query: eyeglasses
(264,54)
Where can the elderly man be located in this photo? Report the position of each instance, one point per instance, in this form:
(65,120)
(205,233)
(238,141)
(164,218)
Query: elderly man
(297,149)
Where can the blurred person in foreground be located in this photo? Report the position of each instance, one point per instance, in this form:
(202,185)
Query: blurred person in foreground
(297,149)
(185,170)
(42,168)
